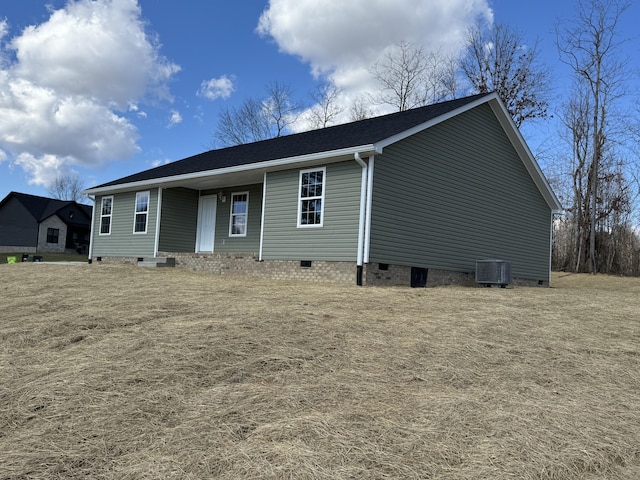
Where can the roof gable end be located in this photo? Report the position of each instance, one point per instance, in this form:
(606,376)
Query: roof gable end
(40,208)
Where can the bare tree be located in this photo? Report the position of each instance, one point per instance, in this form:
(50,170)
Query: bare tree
(360,109)
(499,60)
(325,108)
(589,47)
(258,119)
(245,124)
(409,77)
(68,186)
(281,107)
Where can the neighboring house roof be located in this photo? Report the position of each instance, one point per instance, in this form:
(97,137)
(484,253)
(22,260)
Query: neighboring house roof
(42,208)
(366,137)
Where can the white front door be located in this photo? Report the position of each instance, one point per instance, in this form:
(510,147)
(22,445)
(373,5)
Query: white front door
(206,223)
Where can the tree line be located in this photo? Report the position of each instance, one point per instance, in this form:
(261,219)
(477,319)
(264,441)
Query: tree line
(496,60)
(598,180)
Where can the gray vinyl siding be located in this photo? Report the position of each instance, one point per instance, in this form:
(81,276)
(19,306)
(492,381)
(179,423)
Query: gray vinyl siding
(178,220)
(224,243)
(336,240)
(457,193)
(122,242)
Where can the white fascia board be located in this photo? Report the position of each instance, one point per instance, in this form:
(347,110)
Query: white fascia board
(528,159)
(269,164)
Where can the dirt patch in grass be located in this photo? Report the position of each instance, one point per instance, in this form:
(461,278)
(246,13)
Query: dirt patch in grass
(118,372)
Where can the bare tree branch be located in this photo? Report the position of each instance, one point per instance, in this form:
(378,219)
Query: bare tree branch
(67,187)
(326,108)
(602,196)
(258,119)
(411,78)
(498,60)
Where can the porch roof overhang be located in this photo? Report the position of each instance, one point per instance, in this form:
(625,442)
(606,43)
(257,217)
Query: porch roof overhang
(239,174)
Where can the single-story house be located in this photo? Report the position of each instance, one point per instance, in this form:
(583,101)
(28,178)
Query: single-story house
(425,192)
(30,224)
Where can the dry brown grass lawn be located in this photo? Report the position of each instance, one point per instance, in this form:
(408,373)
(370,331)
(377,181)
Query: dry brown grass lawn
(116,372)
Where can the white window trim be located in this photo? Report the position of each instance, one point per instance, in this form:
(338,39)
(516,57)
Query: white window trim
(110,215)
(246,216)
(300,198)
(136,213)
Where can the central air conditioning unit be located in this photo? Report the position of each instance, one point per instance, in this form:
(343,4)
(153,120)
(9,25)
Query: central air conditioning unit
(493,272)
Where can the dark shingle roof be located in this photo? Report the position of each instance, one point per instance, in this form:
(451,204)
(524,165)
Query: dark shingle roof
(39,207)
(43,207)
(363,132)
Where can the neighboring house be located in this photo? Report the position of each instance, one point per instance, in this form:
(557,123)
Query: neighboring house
(31,224)
(432,190)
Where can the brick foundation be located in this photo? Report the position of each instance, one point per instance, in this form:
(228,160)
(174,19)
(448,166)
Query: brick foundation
(248,265)
(17,249)
(391,275)
(115,260)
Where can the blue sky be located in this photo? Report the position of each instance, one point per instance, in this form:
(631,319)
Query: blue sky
(107,88)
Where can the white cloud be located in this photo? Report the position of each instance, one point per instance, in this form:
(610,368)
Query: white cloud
(4,28)
(69,78)
(341,40)
(93,48)
(333,33)
(221,87)
(43,169)
(175,118)
(133,107)
(157,163)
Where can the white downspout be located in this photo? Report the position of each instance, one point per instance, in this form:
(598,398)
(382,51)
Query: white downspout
(157,241)
(264,203)
(367,231)
(93,223)
(551,248)
(361,222)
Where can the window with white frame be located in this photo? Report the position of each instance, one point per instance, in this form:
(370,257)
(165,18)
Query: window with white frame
(310,206)
(239,212)
(142,212)
(106,210)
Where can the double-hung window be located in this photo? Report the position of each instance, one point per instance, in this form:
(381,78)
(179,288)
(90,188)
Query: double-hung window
(142,212)
(106,210)
(52,235)
(311,202)
(238,220)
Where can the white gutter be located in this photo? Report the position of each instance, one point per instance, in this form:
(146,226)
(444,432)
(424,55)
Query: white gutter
(264,203)
(363,210)
(93,223)
(159,208)
(269,164)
